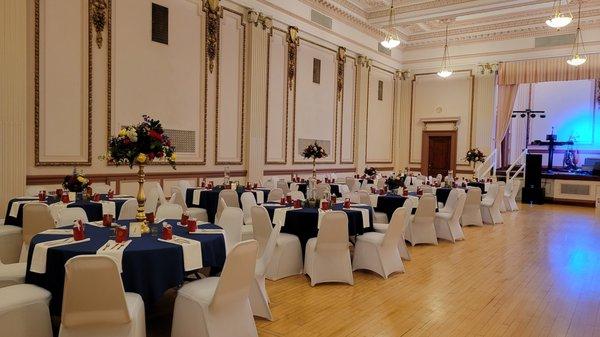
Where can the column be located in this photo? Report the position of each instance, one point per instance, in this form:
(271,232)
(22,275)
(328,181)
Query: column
(13,99)
(362,101)
(260,33)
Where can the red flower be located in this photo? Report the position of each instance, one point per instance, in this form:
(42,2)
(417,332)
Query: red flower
(155,135)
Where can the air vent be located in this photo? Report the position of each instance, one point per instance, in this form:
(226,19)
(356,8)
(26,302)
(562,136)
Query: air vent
(556,40)
(574,189)
(384,50)
(183,140)
(321,19)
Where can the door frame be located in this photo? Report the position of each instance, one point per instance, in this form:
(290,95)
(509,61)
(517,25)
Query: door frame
(425,149)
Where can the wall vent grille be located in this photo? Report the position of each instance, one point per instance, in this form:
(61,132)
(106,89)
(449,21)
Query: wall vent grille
(555,40)
(183,140)
(321,19)
(574,189)
(384,50)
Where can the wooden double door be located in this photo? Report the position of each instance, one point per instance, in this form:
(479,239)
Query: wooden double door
(438,153)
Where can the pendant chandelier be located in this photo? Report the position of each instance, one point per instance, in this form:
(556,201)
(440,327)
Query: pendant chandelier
(560,19)
(445,71)
(391,40)
(578,52)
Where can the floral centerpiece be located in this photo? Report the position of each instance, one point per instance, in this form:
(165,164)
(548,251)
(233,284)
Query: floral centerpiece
(394,182)
(76,182)
(139,145)
(314,151)
(475,155)
(370,171)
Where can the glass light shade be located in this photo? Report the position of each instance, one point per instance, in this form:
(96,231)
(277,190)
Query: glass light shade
(444,73)
(559,20)
(390,42)
(576,60)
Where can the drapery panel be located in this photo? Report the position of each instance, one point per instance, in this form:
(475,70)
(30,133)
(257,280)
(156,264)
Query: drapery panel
(547,70)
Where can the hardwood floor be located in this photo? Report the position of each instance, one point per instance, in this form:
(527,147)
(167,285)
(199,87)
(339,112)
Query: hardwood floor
(538,274)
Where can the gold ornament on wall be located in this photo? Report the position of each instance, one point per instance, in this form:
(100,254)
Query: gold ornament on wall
(98,18)
(341,61)
(364,61)
(257,18)
(214,14)
(403,74)
(293,41)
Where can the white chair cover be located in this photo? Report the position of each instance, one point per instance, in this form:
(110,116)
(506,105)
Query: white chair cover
(471,215)
(168,211)
(275,195)
(248,201)
(259,299)
(327,256)
(510,196)
(69,214)
(421,228)
(110,312)
(219,306)
(490,205)
(296,195)
(24,311)
(232,220)
(129,210)
(230,197)
(447,224)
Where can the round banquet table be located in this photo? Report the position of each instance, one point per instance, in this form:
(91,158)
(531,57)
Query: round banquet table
(302,187)
(92,209)
(389,203)
(304,222)
(209,199)
(150,267)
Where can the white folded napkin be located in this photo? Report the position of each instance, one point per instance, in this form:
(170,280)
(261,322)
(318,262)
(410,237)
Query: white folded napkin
(374,199)
(108,207)
(271,204)
(95,223)
(14,208)
(208,231)
(114,250)
(365,216)
(279,215)
(192,252)
(260,196)
(196,196)
(58,231)
(40,252)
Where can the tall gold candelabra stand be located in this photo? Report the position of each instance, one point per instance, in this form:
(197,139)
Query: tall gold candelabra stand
(141,200)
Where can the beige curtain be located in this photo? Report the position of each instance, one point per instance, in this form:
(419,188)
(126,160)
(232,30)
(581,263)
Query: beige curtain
(547,70)
(506,101)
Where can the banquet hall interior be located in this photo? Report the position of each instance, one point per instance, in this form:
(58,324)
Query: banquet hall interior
(299,168)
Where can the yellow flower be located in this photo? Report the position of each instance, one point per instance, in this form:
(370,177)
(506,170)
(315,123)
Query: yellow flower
(141,158)
(81,179)
(122,132)
(173,157)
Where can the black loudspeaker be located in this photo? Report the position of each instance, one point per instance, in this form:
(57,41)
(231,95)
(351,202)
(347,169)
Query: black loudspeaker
(533,171)
(533,195)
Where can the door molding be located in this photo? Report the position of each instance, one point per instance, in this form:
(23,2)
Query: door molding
(425,148)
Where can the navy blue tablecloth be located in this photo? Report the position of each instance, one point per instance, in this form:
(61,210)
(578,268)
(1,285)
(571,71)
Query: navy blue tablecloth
(209,199)
(442,194)
(304,222)
(302,187)
(93,210)
(389,203)
(150,267)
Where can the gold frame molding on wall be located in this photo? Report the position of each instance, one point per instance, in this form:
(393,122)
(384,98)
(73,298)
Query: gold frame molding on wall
(109,90)
(335,117)
(391,161)
(218,92)
(412,106)
(88,162)
(353,114)
(287,92)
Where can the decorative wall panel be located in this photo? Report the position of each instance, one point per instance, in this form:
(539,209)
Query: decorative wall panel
(165,81)
(348,109)
(315,115)
(277,104)
(63,83)
(380,117)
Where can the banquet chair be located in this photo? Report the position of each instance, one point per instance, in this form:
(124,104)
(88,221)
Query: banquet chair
(294,187)
(24,311)
(154,185)
(221,205)
(451,200)
(471,215)
(129,210)
(447,223)
(219,306)
(11,240)
(284,186)
(36,219)
(380,183)
(248,201)
(259,299)
(510,196)
(379,252)
(364,186)
(152,198)
(100,188)
(168,211)
(230,197)
(287,257)
(327,257)
(490,205)
(268,183)
(32,191)
(352,184)
(297,195)
(275,195)
(197,213)
(421,228)
(321,189)
(69,214)
(184,184)
(383,227)
(231,220)
(110,312)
